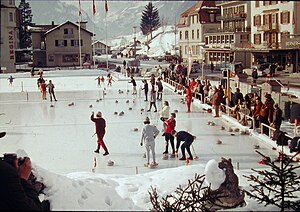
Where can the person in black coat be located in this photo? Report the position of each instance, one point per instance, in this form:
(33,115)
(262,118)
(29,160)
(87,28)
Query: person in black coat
(237,96)
(146,89)
(277,117)
(188,140)
(16,192)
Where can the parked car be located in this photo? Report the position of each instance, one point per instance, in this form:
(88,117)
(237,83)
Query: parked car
(149,71)
(142,57)
(249,71)
(195,68)
(103,65)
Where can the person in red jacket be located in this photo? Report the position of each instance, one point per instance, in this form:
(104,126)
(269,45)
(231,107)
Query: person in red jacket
(170,126)
(189,97)
(100,131)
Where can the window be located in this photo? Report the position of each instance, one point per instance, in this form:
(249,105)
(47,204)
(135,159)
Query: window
(256,3)
(68,31)
(285,17)
(180,35)
(273,2)
(222,39)
(61,43)
(70,58)
(198,34)
(11,17)
(51,58)
(231,39)
(192,34)
(257,20)
(257,39)
(241,9)
(186,35)
(75,43)
(11,2)
(193,20)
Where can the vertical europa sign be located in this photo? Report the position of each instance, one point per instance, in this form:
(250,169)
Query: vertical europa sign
(11,45)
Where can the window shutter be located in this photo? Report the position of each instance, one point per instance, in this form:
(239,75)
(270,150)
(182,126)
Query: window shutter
(254,21)
(276,18)
(264,19)
(288,14)
(65,43)
(281,18)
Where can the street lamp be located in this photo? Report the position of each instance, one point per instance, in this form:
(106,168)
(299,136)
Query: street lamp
(134,40)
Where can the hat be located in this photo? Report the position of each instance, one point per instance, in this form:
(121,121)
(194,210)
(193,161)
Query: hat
(99,114)
(147,120)
(174,115)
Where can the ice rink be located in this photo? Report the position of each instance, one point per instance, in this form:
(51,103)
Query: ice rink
(60,138)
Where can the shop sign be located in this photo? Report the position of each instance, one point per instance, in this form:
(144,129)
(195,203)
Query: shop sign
(11,45)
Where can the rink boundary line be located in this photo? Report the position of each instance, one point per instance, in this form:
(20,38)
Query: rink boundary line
(8,126)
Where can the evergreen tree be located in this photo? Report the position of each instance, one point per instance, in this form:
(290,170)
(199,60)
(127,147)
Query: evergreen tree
(26,20)
(278,186)
(150,20)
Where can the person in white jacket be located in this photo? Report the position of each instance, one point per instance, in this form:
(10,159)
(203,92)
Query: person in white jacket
(165,114)
(148,135)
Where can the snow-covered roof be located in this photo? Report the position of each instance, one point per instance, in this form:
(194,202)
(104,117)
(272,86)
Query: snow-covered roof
(67,22)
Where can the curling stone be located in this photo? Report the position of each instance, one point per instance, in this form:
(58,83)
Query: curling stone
(97,100)
(135,129)
(51,105)
(151,166)
(144,155)
(175,111)
(127,101)
(209,110)
(256,146)
(90,106)
(71,104)
(212,123)
(222,128)
(130,108)
(219,141)
(165,157)
(209,122)
(243,133)
(117,101)
(236,130)
(172,155)
(115,113)
(230,129)
(128,91)
(142,109)
(110,163)
(121,113)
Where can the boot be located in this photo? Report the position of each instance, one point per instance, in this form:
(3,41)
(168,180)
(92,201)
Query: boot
(106,153)
(96,151)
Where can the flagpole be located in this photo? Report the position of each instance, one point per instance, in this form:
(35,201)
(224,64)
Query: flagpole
(79,34)
(94,40)
(106,41)
(94,35)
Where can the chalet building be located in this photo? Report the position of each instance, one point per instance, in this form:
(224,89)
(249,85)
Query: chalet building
(100,48)
(193,24)
(275,33)
(226,43)
(9,40)
(58,45)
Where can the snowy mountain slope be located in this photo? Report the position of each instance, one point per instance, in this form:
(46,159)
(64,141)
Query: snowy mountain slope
(122,16)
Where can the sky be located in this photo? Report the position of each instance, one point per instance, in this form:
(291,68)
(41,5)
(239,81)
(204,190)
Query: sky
(59,140)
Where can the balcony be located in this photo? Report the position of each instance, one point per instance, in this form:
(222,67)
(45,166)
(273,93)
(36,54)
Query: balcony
(269,27)
(231,17)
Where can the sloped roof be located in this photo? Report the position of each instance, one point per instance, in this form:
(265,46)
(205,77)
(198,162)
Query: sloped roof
(67,22)
(192,10)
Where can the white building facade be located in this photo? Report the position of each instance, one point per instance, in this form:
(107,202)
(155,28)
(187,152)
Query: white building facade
(9,40)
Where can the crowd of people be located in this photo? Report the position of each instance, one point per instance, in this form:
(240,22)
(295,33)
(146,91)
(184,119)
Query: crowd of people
(262,109)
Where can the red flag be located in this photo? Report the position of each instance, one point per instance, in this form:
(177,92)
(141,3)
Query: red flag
(79,8)
(106,6)
(94,7)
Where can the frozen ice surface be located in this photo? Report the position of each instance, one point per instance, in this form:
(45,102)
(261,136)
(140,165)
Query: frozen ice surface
(60,138)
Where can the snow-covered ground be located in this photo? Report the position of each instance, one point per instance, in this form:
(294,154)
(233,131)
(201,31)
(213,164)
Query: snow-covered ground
(60,142)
